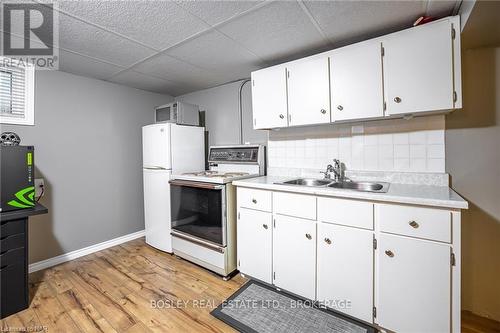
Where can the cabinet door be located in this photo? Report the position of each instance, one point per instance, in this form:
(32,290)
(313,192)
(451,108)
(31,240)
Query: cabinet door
(418,66)
(254,244)
(356,81)
(269,102)
(294,255)
(345,270)
(414,283)
(308,92)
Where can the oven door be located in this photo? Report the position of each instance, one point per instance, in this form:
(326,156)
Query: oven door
(198,211)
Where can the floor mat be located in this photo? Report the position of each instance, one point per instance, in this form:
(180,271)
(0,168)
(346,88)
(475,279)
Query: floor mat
(257,307)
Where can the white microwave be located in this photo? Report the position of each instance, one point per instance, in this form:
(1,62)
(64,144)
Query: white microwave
(178,112)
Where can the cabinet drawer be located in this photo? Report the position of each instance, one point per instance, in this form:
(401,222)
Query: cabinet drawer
(255,199)
(346,212)
(297,205)
(12,227)
(427,223)
(13,289)
(12,242)
(12,257)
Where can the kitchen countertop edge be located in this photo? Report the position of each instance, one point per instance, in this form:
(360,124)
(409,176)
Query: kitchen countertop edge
(423,195)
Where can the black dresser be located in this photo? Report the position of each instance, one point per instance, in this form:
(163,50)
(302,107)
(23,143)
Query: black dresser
(14,293)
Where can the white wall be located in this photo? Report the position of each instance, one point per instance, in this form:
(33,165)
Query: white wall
(87,139)
(415,145)
(473,160)
(222,115)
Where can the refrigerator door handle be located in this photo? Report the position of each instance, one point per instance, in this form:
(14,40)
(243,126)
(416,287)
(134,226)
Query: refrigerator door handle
(155,168)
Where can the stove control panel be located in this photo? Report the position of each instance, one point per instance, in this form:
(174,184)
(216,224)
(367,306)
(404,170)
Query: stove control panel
(234,154)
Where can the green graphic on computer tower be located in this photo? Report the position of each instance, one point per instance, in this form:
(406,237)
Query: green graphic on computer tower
(25,198)
(17,177)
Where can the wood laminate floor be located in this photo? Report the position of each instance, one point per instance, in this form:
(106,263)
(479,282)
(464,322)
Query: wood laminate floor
(116,290)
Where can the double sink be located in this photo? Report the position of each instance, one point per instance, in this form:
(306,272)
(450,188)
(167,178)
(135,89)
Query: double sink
(379,187)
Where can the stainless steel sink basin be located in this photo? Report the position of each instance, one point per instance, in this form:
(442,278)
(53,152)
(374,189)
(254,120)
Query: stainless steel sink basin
(307,182)
(379,187)
(362,186)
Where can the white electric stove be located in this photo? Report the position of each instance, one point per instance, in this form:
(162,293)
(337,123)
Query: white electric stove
(203,207)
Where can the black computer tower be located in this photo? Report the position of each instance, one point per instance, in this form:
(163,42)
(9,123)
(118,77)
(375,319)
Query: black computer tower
(17,171)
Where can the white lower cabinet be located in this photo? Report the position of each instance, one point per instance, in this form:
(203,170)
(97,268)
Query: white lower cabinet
(414,285)
(323,249)
(254,244)
(294,255)
(345,270)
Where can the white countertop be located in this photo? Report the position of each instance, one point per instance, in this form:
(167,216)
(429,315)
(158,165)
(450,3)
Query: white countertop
(426,195)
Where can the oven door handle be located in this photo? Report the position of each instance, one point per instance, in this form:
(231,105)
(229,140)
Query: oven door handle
(198,242)
(196,184)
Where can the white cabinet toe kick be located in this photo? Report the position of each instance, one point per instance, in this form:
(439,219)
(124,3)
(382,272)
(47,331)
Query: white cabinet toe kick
(395,266)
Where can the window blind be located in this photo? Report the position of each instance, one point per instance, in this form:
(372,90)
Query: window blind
(12,91)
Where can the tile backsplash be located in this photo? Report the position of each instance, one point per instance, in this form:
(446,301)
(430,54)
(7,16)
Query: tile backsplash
(414,145)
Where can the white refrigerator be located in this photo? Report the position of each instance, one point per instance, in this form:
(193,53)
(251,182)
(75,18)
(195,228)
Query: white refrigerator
(167,148)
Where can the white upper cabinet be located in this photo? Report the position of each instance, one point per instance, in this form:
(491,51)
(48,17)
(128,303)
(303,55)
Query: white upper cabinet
(418,69)
(356,81)
(269,101)
(413,71)
(308,92)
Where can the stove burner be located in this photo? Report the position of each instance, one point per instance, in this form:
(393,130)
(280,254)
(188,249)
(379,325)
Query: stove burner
(215,174)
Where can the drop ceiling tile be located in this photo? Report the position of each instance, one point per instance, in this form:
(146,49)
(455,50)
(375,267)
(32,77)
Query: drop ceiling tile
(158,24)
(80,65)
(144,82)
(215,52)
(166,67)
(275,31)
(86,39)
(346,21)
(214,12)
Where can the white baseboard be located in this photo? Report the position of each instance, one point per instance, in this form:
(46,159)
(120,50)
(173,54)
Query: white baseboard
(83,252)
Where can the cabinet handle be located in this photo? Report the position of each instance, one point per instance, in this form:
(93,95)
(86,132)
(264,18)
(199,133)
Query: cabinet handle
(265,226)
(308,236)
(340,108)
(389,253)
(254,201)
(397,99)
(328,241)
(413,224)
(323,111)
(282,116)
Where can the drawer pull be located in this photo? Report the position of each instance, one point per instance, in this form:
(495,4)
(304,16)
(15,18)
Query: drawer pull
(265,226)
(328,241)
(308,236)
(413,224)
(254,201)
(389,253)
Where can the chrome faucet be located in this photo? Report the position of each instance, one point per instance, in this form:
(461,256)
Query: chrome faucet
(336,169)
(329,168)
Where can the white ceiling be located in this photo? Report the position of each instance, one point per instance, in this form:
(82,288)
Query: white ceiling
(175,47)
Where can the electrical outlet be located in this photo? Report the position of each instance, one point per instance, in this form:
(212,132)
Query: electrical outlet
(359,129)
(39,184)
